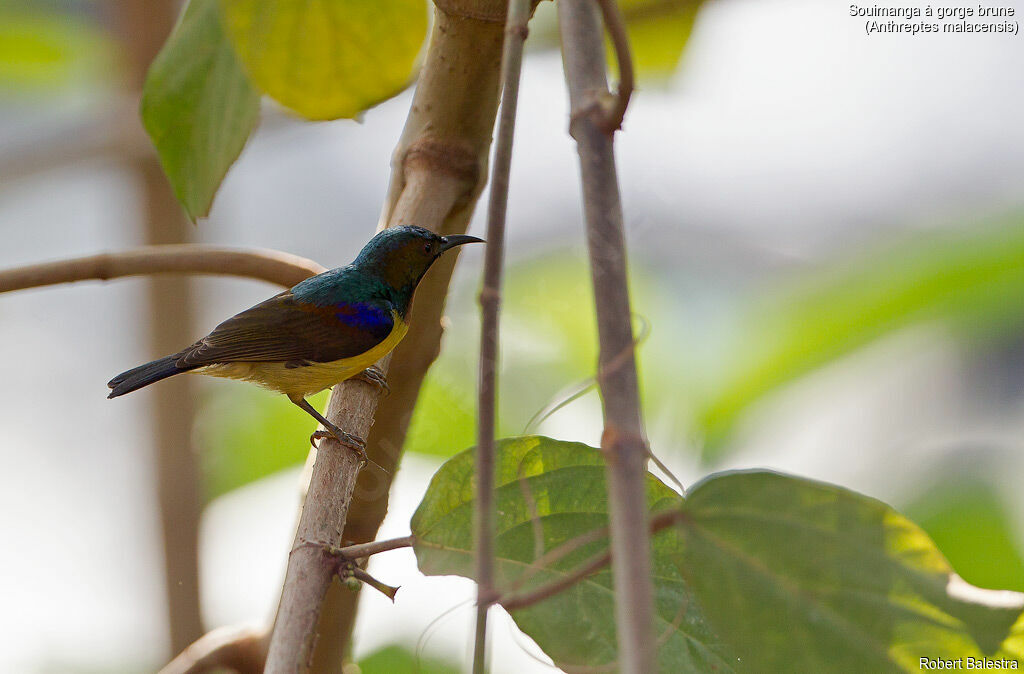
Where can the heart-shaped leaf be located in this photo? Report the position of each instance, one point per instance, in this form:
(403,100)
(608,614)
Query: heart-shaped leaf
(765,572)
(548,492)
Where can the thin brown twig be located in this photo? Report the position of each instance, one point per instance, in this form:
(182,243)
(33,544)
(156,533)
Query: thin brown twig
(549,590)
(557,554)
(516,30)
(616,28)
(267,265)
(662,520)
(360,550)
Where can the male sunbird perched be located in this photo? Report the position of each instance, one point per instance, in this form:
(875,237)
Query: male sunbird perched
(328,328)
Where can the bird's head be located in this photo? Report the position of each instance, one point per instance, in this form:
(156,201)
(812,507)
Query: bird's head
(400,256)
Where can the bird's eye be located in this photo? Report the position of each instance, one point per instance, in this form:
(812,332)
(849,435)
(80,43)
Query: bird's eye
(426,248)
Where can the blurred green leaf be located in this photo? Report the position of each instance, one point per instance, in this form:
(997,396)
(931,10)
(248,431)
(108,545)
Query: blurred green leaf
(198,106)
(658,32)
(248,434)
(802,576)
(43,51)
(399,660)
(444,420)
(974,528)
(766,572)
(550,317)
(969,278)
(566,485)
(327,59)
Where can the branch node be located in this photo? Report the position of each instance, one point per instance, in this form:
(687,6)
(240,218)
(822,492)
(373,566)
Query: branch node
(443,155)
(614,440)
(490,296)
(620,41)
(518,31)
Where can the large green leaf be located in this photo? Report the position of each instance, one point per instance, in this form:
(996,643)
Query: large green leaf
(972,278)
(765,573)
(566,485)
(198,107)
(801,576)
(247,434)
(327,59)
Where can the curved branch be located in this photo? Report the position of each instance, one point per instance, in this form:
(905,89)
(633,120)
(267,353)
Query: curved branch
(616,28)
(241,649)
(266,265)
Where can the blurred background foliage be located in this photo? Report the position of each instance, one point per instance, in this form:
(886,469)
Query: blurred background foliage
(720,347)
(47,47)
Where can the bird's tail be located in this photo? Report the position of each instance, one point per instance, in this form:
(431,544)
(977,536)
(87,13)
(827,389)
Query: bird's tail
(144,375)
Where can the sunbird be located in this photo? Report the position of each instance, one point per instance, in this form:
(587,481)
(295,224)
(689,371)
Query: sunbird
(322,331)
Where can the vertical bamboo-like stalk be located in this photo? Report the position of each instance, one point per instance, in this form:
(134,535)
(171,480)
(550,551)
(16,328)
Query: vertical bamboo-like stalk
(145,26)
(490,304)
(623,441)
(439,170)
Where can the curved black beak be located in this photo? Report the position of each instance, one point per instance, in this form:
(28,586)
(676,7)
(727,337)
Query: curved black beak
(448,242)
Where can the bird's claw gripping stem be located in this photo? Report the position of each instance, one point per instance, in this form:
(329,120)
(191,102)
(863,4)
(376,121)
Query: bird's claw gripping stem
(353,442)
(374,375)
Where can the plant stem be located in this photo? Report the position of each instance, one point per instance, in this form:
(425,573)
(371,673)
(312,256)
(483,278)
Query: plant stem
(359,550)
(623,439)
(439,169)
(490,303)
(311,568)
(266,265)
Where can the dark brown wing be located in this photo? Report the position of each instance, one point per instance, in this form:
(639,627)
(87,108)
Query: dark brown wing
(284,329)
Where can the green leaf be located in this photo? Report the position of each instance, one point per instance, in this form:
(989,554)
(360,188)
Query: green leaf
(327,59)
(567,497)
(970,278)
(444,419)
(766,572)
(198,106)
(248,434)
(974,528)
(806,577)
(658,32)
(397,659)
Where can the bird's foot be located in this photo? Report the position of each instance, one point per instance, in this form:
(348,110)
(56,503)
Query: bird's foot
(353,442)
(374,375)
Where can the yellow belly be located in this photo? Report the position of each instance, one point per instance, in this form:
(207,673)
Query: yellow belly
(308,379)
